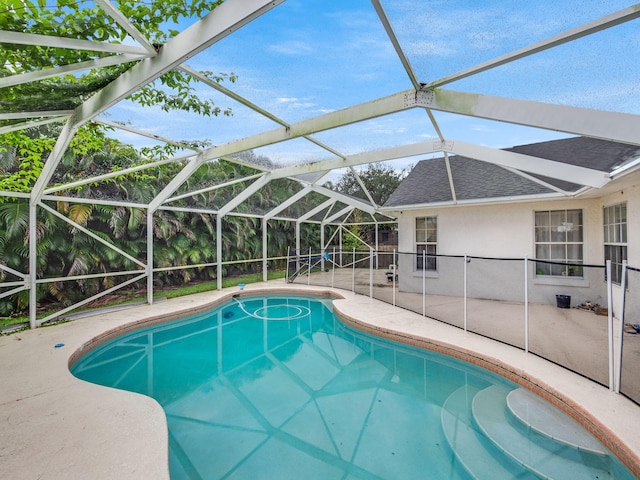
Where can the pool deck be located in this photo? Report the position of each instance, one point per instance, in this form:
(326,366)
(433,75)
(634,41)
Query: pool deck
(54,426)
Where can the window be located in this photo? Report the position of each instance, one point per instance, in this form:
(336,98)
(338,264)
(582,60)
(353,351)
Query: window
(558,238)
(615,238)
(426,241)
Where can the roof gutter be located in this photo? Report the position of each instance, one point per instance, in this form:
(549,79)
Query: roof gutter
(626,169)
(482,201)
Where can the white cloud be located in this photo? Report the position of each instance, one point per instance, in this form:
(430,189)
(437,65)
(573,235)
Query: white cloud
(291,48)
(481,128)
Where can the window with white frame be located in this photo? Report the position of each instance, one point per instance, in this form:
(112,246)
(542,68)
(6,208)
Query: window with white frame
(615,238)
(426,241)
(559,240)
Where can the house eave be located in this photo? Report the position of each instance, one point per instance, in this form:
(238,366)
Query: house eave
(479,201)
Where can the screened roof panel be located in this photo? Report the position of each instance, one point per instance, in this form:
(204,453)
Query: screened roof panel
(303,206)
(213,199)
(139,187)
(409,126)
(599,71)
(298,151)
(269,198)
(305,58)
(442,38)
(213,185)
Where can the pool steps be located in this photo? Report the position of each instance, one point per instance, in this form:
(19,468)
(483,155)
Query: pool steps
(503,420)
(535,414)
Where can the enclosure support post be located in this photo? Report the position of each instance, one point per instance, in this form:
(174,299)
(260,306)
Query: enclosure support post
(150,256)
(464,290)
(610,326)
(621,329)
(424,283)
(286,270)
(265,223)
(353,270)
(526,305)
(333,267)
(33,265)
(219,251)
(298,251)
(309,269)
(322,246)
(371,272)
(393,277)
(377,247)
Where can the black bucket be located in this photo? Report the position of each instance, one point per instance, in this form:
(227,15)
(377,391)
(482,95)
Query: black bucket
(563,301)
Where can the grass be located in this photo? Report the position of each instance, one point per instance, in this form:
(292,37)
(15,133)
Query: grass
(124,298)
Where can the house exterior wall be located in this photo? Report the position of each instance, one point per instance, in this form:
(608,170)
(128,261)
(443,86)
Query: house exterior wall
(507,231)
(630,195)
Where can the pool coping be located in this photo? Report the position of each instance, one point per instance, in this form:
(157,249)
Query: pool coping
(54,424)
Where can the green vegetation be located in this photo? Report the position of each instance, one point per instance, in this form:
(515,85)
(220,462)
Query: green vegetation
(134,296)
(379,179)
(82,20)
(181,238)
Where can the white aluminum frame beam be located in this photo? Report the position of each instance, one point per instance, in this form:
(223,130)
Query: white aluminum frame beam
(539,181)
(619,127)
(32,123)
(341,197)
(93,201)
(5,193)
(526,163)
(287,203)
(35,39)
(316,210)
(215,26)
(70,68)
(124,22)
(213,187)
(345,211)
(363,187)
(10,270)
(47,113)
(142,133)
(90,299)
(246,193)
(365,111)
(393,153)
(106,176)
(382,16)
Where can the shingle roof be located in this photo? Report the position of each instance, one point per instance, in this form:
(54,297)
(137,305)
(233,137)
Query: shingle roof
(473,179)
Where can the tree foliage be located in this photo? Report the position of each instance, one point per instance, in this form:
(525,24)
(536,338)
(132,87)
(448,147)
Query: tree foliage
(85,21)
(380,180)
(180,237)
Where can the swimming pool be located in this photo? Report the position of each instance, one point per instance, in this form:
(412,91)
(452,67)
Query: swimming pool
(278,387)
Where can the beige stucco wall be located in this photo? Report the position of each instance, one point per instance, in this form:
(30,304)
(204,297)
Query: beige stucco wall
(499,230)
(507,231)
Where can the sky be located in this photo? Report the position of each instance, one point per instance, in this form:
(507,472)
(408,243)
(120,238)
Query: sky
(308,57)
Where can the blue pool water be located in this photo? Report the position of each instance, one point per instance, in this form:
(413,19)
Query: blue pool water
(273,387)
